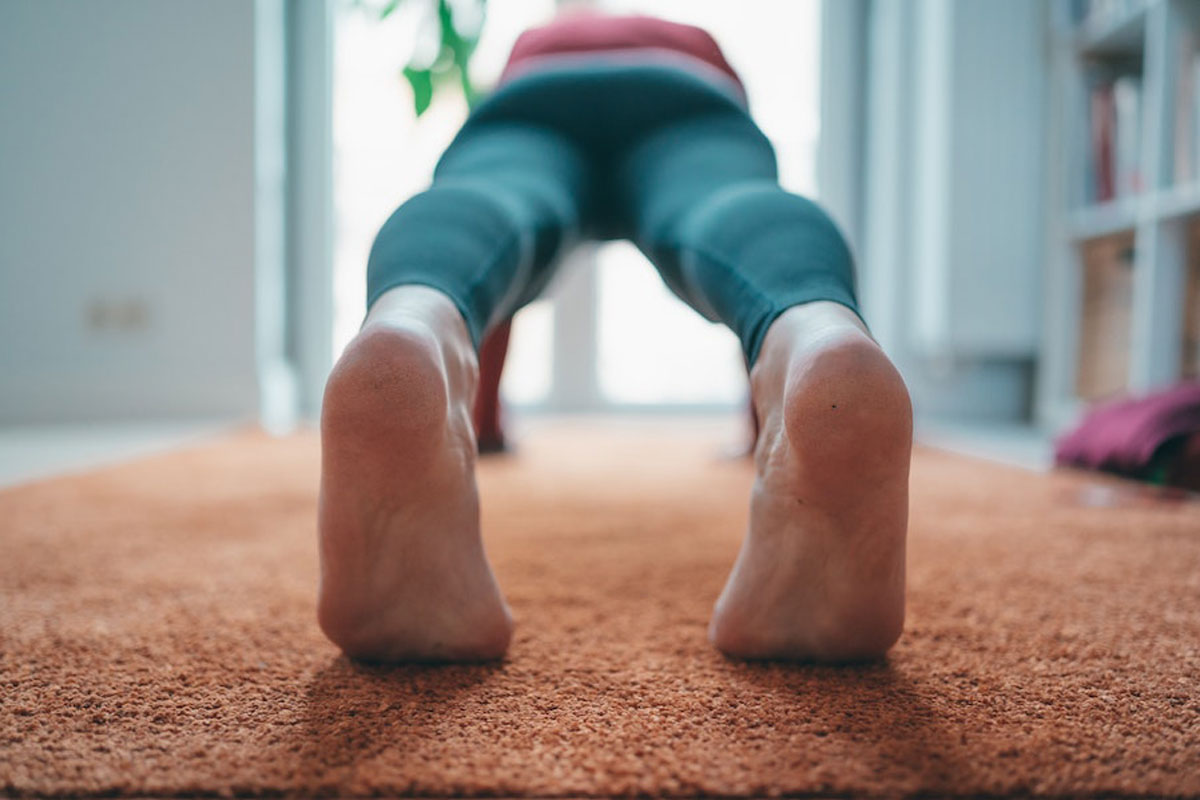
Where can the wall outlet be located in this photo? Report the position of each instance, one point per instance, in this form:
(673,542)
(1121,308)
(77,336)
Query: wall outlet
(96,315)
(122,315)
(132,315)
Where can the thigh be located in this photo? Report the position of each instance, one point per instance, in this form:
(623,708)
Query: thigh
(541,180)
(504,202)
(672,173)
(538,176)
(707,209)
(603,106)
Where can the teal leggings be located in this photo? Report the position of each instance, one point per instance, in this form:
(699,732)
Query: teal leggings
(603,150)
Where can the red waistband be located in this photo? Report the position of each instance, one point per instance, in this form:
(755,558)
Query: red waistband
(585,32)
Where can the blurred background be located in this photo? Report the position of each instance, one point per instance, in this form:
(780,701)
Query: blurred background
(189,189)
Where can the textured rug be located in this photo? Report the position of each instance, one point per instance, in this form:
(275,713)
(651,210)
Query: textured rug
(157,638)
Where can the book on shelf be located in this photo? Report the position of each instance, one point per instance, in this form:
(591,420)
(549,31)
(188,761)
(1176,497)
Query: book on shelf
(1113,166)
(1105,319)
(1127,119)
(1187,109)
(1190,347)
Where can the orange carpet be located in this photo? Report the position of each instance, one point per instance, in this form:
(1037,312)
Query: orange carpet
(157,638)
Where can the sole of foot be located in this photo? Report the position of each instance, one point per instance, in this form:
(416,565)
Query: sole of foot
(821,573)
(404,576)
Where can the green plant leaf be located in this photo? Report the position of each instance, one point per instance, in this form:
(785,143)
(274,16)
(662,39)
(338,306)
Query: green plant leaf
(421,81)
(387,10)
(460,47)
(453,58)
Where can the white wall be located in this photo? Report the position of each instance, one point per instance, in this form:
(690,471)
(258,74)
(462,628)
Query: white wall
(953,255)
(127,209)
(982,77)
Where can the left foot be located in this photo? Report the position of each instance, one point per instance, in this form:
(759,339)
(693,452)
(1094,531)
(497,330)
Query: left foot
(404,576)
(820,575)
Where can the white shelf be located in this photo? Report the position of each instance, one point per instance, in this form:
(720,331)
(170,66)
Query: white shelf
(1178,201)
(1104,219)
(1125,213)
(1122,33)
(1150,32)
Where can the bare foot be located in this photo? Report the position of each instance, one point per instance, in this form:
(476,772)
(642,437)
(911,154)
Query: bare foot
(403,571)
(820,575)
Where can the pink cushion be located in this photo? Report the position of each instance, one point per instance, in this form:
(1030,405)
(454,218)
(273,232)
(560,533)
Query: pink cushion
(1123,436)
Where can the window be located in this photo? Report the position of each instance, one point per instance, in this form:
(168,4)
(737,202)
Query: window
(646,347)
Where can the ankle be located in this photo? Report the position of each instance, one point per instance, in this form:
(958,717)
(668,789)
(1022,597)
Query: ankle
(423,306)
(429,313)
(800,330)
(823,386)
(809,325)
(819,316)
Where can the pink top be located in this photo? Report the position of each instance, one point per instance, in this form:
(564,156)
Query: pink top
(637,37)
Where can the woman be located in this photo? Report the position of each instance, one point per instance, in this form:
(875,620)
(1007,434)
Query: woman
(612,127)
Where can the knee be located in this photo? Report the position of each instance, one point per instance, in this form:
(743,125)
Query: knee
(755,208)
(460,219)
(747,221)
(459,208)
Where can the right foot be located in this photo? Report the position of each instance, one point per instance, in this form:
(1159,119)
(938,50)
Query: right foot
(403,572)
(820,576)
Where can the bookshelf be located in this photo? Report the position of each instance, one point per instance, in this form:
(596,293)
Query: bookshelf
(1122,284)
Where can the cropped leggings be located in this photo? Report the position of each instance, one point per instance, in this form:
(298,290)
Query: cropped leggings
(603,150)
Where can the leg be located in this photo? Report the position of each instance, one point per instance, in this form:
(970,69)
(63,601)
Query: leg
(403,571)
(821,572)
(489,432)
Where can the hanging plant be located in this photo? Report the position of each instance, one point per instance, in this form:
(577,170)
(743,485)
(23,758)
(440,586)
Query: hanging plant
(457,31)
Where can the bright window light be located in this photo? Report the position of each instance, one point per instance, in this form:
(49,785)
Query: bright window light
(650,348)
(654,349)
(530,355)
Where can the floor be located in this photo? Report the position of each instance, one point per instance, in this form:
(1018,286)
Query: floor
(33,452)
(1007,443)
(29,453)
(160,638)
